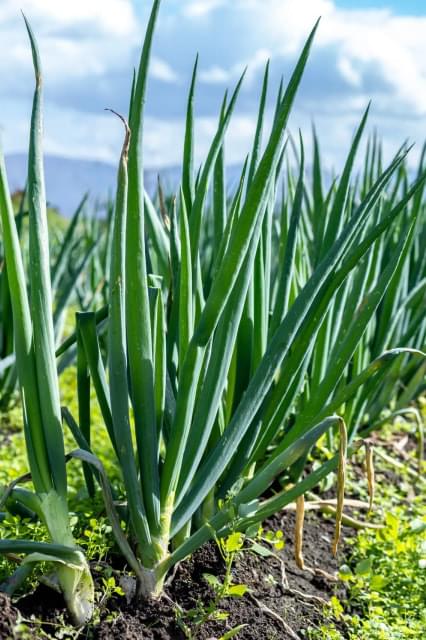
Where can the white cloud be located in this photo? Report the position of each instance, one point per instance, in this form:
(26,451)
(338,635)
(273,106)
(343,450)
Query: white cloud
(215,75)
(201,8)
(111,16)
(394,47)
(219,75)
(348,70)
(76,39)
(161,70)
(367,41)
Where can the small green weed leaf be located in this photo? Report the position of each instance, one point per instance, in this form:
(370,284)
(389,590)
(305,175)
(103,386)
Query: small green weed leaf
(345,572)
(392,526)
(232,632)
(234,542)
(378,582)
(253,531)
(212,580)
(221,615)
(261,550)
(275,538)
(363,567)
(336,607)
(237,590)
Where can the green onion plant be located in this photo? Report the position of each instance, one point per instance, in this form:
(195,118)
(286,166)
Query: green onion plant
(38,381)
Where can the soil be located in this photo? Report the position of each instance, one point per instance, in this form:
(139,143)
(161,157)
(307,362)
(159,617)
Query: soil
(282,601)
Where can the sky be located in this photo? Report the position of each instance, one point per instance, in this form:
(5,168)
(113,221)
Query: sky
(365,49)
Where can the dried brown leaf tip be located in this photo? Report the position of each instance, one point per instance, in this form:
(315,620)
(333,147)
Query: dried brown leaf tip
(126,143)
(341,478)
(369,466)
(298,536)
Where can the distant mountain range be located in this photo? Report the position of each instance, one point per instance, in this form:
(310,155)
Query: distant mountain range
(68,179)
